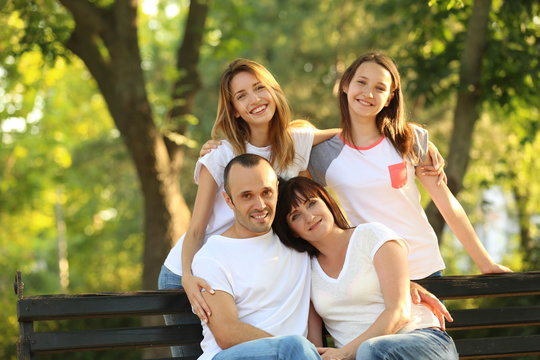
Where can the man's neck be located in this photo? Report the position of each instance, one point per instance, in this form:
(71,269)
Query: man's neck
(237,231)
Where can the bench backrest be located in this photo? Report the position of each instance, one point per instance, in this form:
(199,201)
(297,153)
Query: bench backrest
(522,342)
(108,305)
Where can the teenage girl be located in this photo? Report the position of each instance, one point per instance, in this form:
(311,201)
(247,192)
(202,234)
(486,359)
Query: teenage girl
(372,165)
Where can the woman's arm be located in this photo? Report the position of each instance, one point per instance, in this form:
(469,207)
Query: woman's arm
(193,241)
(393,272)
(457,219)
(314,327)
(318,135)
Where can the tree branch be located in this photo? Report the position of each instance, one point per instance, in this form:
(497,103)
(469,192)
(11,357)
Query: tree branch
(87,14)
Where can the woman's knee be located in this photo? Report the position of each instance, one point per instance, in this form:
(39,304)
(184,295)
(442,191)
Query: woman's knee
(364,351)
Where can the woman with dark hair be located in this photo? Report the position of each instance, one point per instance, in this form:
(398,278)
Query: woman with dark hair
(359,281)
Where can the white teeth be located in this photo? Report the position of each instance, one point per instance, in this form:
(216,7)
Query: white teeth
(258,109)
(363,102)
(259,217)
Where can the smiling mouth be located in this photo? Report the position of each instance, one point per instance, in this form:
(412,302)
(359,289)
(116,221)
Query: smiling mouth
(260,217)
(258,110)
(314,226)
(364,102)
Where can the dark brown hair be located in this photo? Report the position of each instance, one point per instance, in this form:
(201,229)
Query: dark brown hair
(390,120)
(292,193)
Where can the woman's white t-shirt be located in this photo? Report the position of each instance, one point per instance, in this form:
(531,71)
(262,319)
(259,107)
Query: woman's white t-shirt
(350,303)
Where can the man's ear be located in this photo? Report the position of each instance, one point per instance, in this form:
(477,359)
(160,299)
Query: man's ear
(228,200)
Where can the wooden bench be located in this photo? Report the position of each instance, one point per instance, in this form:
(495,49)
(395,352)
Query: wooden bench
(33,309)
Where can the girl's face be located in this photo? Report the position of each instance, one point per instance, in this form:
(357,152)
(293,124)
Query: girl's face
(252,100)
(369,90)
(311,220)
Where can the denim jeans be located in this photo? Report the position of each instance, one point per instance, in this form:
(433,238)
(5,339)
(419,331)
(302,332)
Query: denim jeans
(293,347)
(428,344)
(170,281)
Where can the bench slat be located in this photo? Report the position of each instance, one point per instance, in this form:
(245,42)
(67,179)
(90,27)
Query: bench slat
(498,347)
(460,287)
(106,339)
(494,317)
(55,307)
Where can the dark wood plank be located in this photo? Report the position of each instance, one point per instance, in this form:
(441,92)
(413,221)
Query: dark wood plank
(459,287)
(509,346)
(494,317)
(54,307)
(106,339)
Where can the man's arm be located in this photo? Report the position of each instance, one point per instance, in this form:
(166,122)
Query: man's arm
(224,324)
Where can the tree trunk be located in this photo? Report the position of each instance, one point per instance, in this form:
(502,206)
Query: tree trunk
(467,108)
(120,79)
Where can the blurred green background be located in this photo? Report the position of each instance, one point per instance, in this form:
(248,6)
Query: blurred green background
(104,106)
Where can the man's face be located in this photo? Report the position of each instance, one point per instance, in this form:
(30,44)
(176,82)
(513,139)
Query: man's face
(253,198)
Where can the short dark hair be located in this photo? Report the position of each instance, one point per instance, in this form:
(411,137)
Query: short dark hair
(290,194)
(247,161)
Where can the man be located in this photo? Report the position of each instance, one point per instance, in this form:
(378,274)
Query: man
(261,301)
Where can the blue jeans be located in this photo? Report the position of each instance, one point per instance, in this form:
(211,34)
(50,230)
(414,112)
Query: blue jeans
(294,347)
(170,281)
(428,344)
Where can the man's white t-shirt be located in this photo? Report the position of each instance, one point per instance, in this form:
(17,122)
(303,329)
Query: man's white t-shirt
(222,216)
(350,303)
(270,283)
(375,184)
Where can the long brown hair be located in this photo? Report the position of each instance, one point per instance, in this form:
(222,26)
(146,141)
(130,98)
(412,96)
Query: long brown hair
(293,192)
(390,121)
(237,131)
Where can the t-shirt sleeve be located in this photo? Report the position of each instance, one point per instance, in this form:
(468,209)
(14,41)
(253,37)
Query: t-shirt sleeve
(373,235)
(303,142)
(215,162)
(420,142)
(211,270)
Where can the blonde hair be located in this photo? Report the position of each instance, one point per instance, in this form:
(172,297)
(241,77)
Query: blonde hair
(237,131)
(390,121)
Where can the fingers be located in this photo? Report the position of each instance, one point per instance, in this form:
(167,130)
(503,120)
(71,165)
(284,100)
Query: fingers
(441,321)
(496,268)
(200,310)
(193,287)
(415,297)
(209,146)
(442,178)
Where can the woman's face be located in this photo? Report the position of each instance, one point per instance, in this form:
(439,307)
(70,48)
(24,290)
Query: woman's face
(311,220)
(369,90)
(252,100)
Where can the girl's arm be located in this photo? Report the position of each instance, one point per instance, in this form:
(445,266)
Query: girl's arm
(193,241)
(314,327)
(457,219)
(319,135)
(393,272)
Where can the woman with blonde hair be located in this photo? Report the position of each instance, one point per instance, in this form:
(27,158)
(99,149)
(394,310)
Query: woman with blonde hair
(253,116)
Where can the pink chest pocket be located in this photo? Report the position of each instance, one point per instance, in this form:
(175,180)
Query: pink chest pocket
(398,174)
